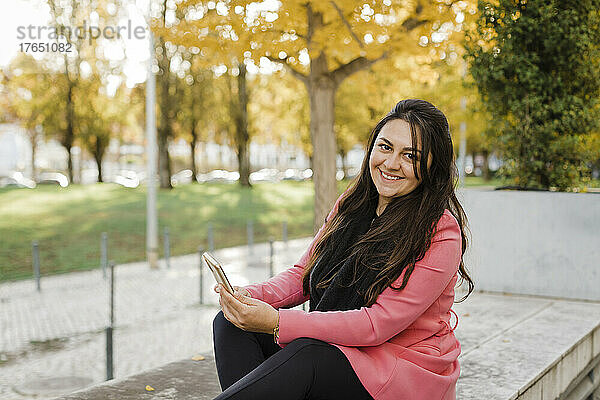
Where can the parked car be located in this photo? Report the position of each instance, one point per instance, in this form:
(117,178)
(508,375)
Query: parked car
(16,179)
(265,175)
(53,178)
(128,179)
(183,177)
(219,175)
(292,174)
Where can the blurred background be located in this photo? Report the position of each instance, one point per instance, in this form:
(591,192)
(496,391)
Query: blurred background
(260,111)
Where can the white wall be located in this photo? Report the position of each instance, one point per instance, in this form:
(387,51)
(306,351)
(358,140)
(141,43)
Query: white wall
(538,243)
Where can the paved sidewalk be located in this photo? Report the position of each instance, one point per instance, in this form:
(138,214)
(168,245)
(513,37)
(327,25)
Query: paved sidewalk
(57,335)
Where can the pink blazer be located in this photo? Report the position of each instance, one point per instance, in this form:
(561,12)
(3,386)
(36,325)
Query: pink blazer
(402,347)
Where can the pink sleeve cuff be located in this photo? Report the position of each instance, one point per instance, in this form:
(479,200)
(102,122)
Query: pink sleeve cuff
(289,323)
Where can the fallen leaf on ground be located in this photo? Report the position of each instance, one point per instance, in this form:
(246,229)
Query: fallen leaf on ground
(149,388)
(198,358)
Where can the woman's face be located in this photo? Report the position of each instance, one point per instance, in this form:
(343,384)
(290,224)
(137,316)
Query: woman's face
(391,162)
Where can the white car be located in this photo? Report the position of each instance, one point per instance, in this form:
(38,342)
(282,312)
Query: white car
(53,178)
(183,177)
(16,179)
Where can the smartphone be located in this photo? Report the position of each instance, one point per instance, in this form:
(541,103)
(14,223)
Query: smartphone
(217,271)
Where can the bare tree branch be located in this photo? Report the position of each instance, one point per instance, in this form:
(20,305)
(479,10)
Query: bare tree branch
(358,64)
(345,21)
(294,71)
(413,23)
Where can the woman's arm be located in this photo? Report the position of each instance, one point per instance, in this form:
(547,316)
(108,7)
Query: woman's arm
(285,288)
(393,311)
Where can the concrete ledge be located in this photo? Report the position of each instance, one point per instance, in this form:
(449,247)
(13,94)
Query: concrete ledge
(534,348)
(513,347)
(181,380)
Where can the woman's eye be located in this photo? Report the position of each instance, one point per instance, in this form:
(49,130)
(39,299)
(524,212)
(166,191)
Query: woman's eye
(410,156)
(385,147)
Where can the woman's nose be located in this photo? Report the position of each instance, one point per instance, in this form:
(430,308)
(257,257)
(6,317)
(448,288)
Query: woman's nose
(393,162)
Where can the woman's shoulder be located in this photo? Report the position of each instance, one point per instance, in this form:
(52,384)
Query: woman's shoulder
(448,218)
(447,225)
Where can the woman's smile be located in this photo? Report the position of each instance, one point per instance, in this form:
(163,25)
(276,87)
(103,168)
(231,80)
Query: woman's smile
(389,177)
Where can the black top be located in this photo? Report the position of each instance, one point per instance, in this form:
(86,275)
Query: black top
(341,294)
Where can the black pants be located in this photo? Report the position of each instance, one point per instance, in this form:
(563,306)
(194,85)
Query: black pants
(251,366)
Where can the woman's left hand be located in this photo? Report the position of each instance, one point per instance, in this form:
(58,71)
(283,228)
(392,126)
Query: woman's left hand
(247,313)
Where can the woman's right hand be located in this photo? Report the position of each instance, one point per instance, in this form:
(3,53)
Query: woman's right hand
(237,289)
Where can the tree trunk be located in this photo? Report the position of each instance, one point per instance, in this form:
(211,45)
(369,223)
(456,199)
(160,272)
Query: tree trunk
(486,169)
(164,162)
(203,163)
(344,164)
(241,128)
(70,134)
(98,156)
(99,166)
(193,143)
(166,102)
(321,91)
(33,138)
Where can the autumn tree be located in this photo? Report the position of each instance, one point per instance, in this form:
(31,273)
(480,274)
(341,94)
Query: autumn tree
(279,111)
(100,118)
(65,16)
(322,43)
(29,91)
(198,106)
(218,36)
(80,59)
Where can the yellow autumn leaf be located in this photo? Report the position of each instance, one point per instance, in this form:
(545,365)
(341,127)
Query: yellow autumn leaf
(198,358)
(149,388)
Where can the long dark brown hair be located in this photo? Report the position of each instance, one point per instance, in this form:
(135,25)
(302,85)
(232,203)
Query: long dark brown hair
(408,222)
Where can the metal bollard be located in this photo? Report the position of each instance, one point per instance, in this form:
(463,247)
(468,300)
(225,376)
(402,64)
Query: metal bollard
(109,329)
(109,353)
(201,271)
(36,264)
(167,249)
(210,238)
(104,253)
(284,232)
(250,234)
(271,251)
(112,293)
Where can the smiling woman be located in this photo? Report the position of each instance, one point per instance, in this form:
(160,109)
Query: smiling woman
(393,162)
(379,277)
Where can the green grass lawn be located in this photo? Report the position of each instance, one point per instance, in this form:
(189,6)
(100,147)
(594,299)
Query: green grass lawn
(478,181)
(68,222)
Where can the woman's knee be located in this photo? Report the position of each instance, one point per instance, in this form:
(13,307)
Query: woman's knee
(221,324)
(306,344)
(315,352)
